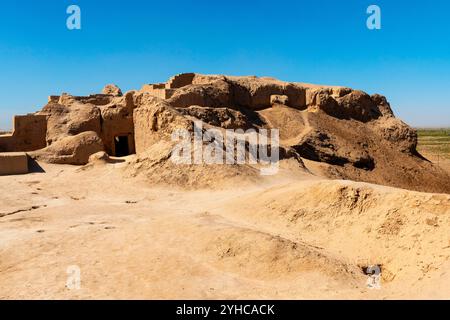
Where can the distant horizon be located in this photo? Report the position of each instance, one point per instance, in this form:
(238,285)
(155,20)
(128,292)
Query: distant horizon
(407,60)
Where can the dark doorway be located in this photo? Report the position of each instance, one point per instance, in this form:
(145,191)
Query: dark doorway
(121,146)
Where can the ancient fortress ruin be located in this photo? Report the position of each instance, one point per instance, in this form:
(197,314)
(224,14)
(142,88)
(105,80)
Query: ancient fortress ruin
(347,133)
(109,115)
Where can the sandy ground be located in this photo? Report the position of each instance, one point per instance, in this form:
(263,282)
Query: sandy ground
(293,239)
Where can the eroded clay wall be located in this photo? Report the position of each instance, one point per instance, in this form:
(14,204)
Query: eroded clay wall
(143,129)
(180,80)
(6,140)
(29,134)
(158,91)
(118,121)
(113,128)
(155,122)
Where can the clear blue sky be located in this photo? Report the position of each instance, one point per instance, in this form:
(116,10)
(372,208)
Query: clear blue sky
(143,41)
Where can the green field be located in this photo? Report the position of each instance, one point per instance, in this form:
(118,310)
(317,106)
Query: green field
(434,142)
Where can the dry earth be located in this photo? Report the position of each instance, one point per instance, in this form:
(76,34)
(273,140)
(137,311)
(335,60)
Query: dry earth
(143,227)
(284,238)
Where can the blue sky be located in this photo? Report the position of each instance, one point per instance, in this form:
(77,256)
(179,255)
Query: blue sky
(143,41)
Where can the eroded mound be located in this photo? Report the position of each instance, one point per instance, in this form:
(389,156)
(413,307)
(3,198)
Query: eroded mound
(334,132)
(404,232)
(74,150)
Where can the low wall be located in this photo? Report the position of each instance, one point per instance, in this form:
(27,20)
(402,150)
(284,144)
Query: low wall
(13,163)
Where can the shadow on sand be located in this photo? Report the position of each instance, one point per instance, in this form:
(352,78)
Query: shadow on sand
(34,167)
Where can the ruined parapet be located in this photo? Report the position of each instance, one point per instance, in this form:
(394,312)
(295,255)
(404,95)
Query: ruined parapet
(13,163)
(250,92)
(96,99)
(180,80)
(53,99)
(158,90)
(157,86)
(29,134)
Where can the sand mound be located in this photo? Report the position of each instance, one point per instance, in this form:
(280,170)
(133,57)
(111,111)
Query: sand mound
(404,232)
(155,167)
(263,256)
(297,238)
(74,150)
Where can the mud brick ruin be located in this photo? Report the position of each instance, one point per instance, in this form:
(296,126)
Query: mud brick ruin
(347,133)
